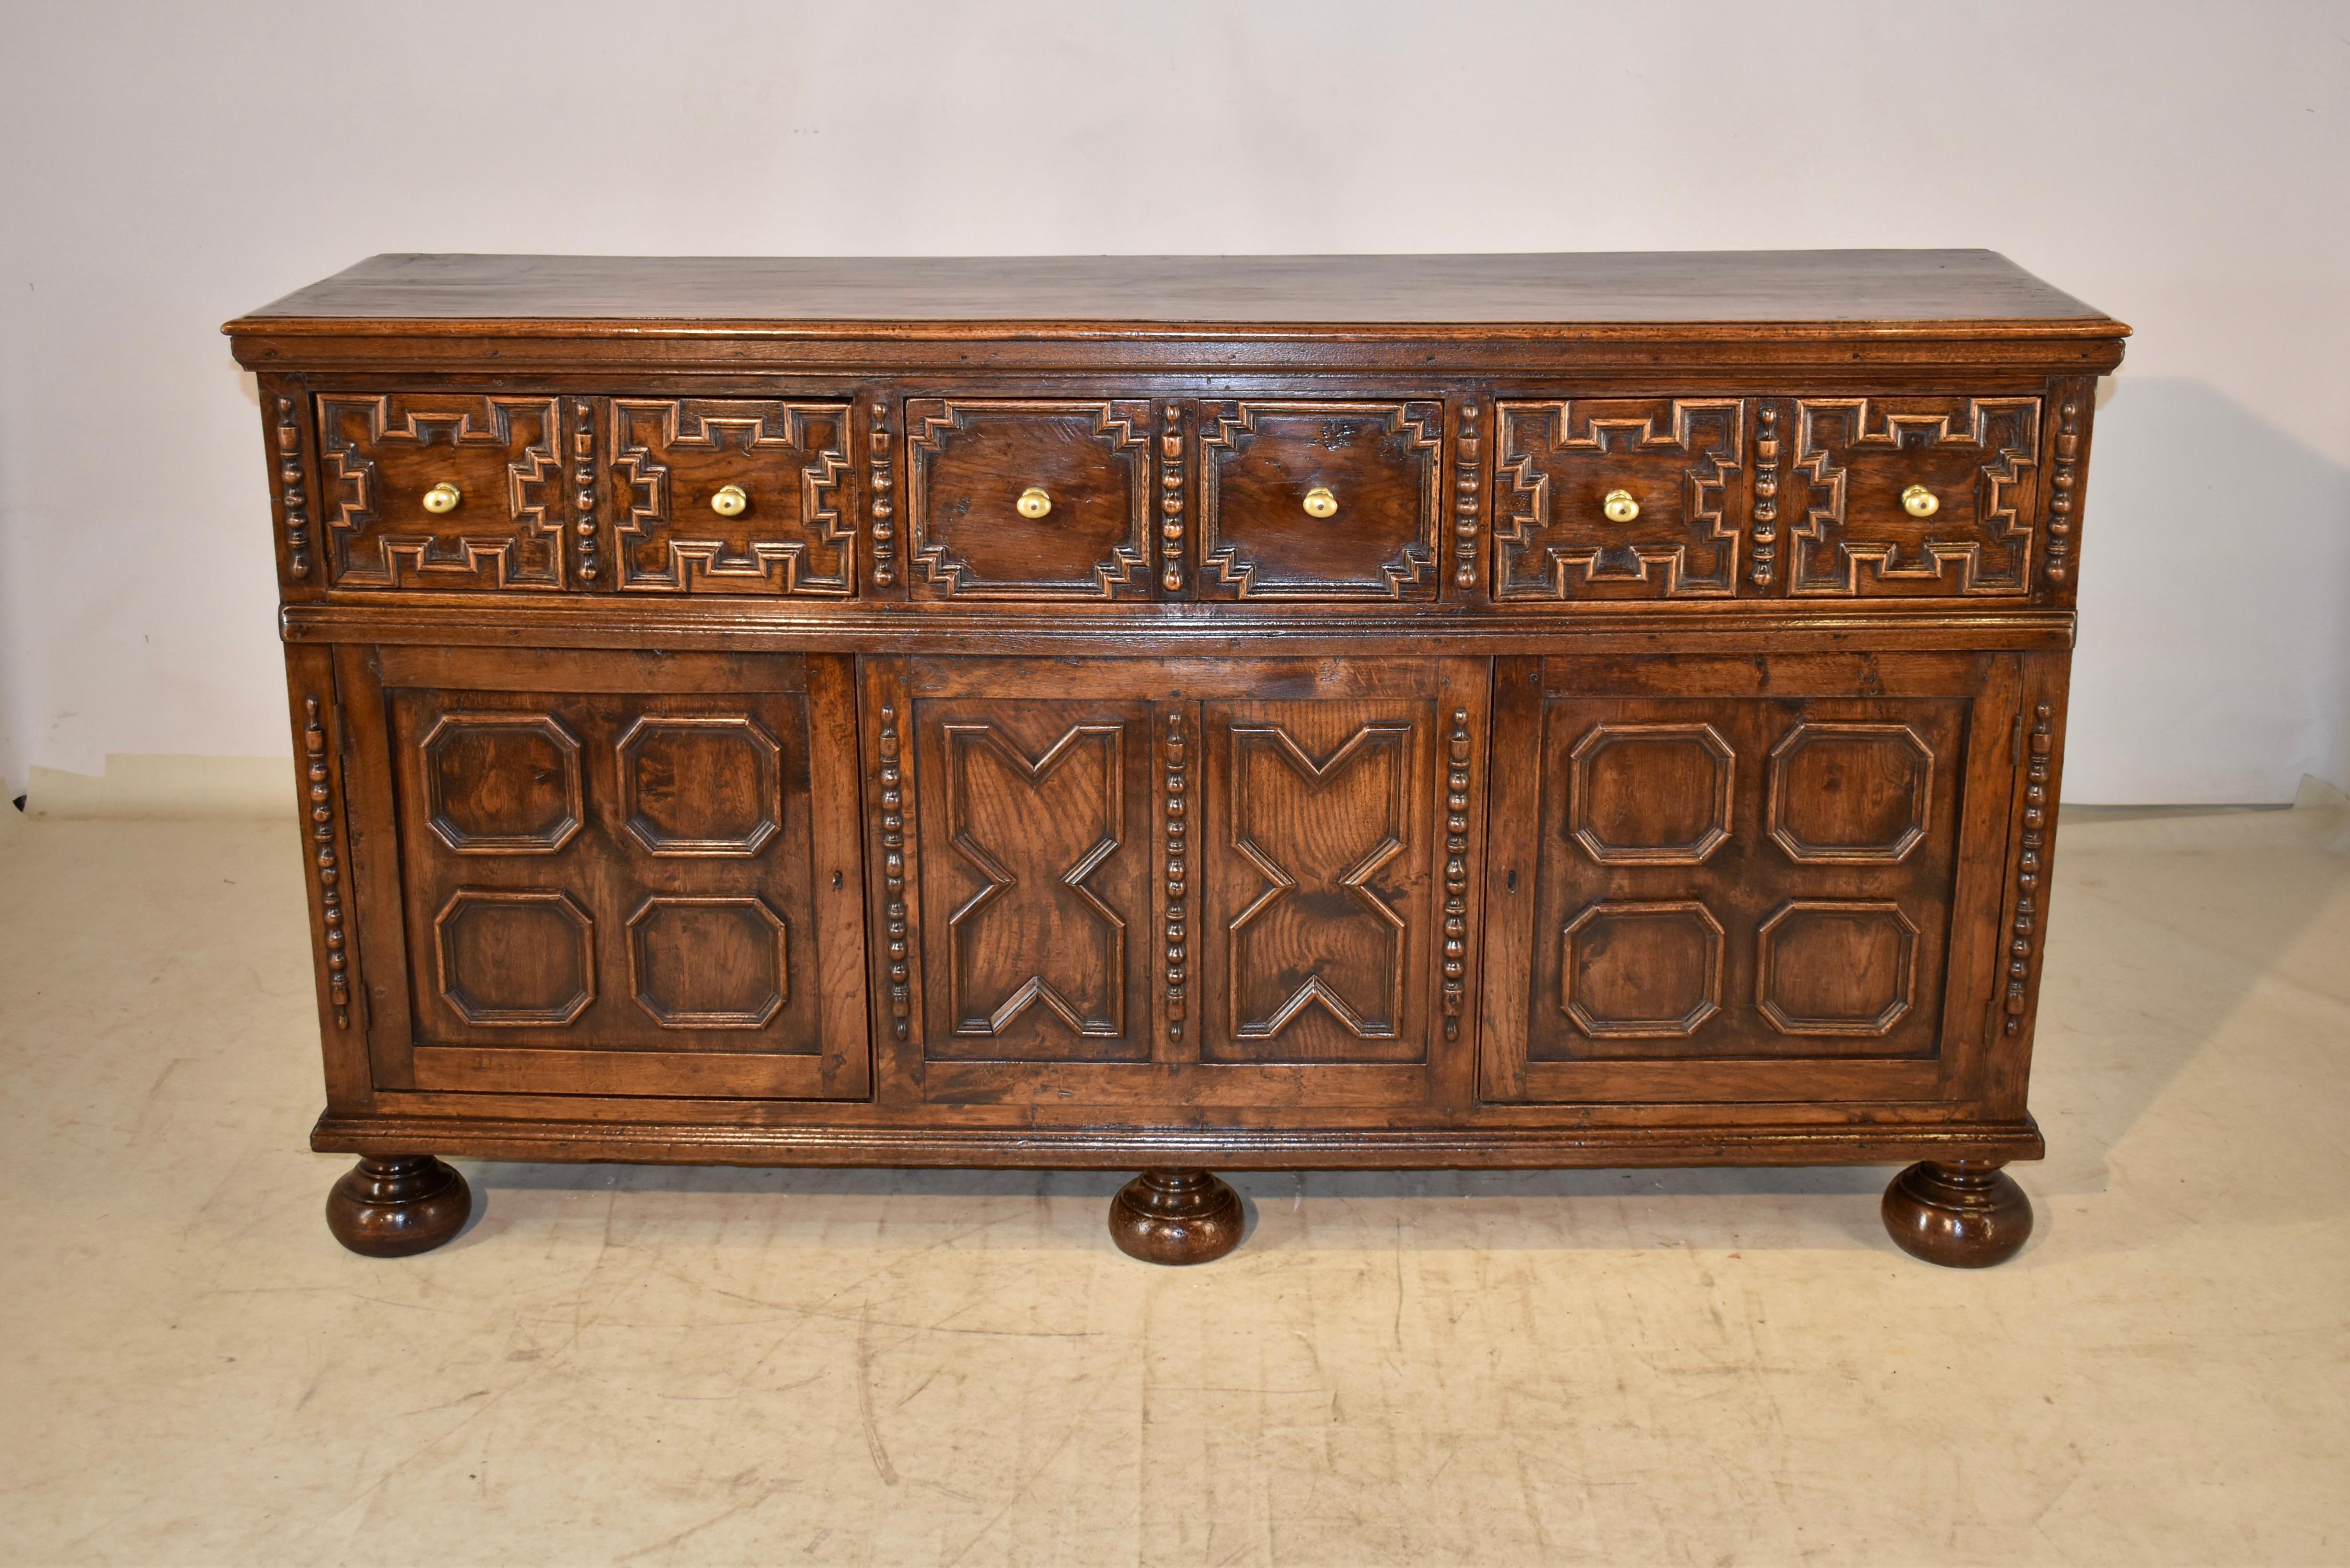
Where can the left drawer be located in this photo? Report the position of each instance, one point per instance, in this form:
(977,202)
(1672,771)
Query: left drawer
(445,489)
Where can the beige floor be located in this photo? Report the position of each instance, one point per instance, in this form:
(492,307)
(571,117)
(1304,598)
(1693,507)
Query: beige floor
(652,1367)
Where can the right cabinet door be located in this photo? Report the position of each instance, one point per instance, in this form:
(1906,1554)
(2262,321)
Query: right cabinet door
(1768,878)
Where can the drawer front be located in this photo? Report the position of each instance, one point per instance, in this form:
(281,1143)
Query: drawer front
(618,873)
(1620,498)
(731,495)
(971,460)
(437,489)
(1320,500)
(1932,495)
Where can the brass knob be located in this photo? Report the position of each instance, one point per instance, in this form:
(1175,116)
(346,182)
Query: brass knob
(1320,502)
(1919,501)
(1034,501)
(1620,506)
(442,498)
(729,501)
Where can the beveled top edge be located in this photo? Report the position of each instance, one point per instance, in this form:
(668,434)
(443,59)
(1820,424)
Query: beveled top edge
(1691,294)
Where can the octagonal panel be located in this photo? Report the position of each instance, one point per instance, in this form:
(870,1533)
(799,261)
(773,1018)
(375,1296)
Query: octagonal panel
(1825,966)
(1642,969)
(701,784)
(1650,794)
(1850,794)
(514,958)
(707,960)
(502,783)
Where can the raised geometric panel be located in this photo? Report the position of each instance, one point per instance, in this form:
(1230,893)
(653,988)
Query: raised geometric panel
(1036,829)
(514,958)
(707,960)
(1680,461)
(1380,463)
(701,784)
(793,534)
(502,783)
(1826,966)
(1652,794)
(1642,969)
(1855,458)
(1851,794)
(1318,832)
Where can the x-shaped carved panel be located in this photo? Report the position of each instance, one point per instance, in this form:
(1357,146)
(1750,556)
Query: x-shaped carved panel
(1303,825)
(1034,830)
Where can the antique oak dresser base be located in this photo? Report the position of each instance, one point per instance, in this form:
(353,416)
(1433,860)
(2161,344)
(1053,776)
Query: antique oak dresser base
(1173,715)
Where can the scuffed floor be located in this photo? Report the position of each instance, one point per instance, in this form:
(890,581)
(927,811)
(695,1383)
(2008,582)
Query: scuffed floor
(677,1366)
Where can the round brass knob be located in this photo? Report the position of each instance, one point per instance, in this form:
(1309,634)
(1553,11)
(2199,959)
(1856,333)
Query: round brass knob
(1919,501)
(1034,501)
(1620,506)
(1320,502)
(442,498)
(730,500)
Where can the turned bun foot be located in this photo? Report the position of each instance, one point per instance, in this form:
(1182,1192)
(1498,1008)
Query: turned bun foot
(391,1207)
(1175,1217)
(1966,1214)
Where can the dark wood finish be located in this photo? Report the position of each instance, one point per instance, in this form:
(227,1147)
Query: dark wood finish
(1963,1214)
(1176,1217)
(876,821)
(396,1206)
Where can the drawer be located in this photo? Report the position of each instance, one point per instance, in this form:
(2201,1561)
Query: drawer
(1920,496)
(1622,498)
(1319,500)
(1028,498)
(437,490)
(731,495)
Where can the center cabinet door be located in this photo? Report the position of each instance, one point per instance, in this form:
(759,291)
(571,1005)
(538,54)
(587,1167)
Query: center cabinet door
(1206,882)
(607,873)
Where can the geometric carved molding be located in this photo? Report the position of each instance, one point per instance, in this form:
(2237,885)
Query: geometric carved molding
(704,784)
(1642,970)
(514,958)
(1693,799)
(1351,445)
(1048,825)
(1315,895)
(1980,456)
(381,453)
(707,960)
(1680,460)
(793,484)
(502,783)
(1850,794)
(1825,966)
(1092,457)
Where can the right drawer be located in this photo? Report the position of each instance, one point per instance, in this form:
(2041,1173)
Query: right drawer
(1720,497)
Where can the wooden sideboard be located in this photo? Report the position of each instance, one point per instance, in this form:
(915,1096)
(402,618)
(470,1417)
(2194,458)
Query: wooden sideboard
(1174,713)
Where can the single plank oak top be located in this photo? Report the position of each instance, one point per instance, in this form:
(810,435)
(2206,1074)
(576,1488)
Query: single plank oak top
(1970,293)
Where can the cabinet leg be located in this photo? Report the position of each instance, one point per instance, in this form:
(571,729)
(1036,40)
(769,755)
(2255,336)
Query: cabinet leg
(1175,1217)
(393,1207)
(1963,1214)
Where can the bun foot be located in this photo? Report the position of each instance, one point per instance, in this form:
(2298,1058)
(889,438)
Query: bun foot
(391,1207)
(1966,1214)
(1175,1217)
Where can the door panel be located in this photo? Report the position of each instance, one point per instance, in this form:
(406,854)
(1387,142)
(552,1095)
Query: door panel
(1723,860)
(632,872)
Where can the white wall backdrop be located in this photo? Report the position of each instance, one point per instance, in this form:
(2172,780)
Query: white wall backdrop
(2184,166)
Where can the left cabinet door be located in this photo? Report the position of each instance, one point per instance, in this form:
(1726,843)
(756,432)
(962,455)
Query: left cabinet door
(606,873)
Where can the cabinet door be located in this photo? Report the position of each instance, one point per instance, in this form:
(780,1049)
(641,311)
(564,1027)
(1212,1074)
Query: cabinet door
(1224,882)
(607,873)
(1725,880)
